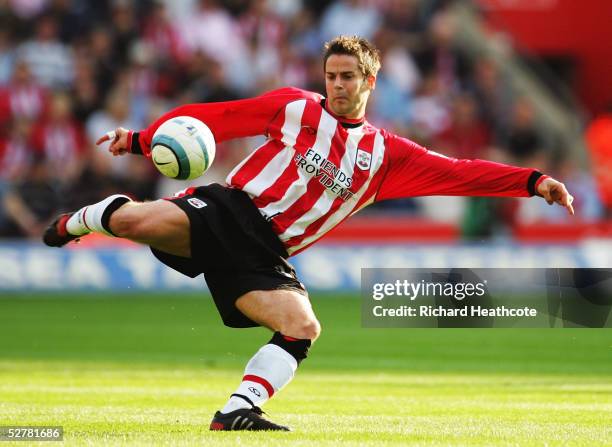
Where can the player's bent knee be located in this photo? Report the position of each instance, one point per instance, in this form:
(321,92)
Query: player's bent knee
(312,330)
(304,329)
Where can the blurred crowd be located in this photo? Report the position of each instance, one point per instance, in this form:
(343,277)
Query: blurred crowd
(72,70)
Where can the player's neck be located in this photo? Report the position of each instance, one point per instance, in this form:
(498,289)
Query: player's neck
(351,118)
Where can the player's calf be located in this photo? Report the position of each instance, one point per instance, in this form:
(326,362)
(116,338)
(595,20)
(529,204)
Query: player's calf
(160,224)
(137,222)
(285,311)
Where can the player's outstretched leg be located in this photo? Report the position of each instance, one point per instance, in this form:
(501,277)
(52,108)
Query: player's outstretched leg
(290,314)
(160,224)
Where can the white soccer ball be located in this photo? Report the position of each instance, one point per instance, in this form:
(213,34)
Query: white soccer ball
(183,148)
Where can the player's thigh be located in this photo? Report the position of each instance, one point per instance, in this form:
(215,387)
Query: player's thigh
(286,311)
(160,224)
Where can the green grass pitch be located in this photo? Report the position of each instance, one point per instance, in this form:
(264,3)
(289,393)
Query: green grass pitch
(135,370)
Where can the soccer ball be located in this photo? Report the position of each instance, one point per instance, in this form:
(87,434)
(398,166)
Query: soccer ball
(183,148)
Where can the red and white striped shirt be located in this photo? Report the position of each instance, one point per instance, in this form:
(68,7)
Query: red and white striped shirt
(316,169)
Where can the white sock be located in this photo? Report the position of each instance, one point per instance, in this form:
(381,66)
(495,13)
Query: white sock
(89,218)
(269,370)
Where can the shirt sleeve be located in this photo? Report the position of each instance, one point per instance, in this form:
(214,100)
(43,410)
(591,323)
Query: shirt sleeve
(415,171)
(230,119)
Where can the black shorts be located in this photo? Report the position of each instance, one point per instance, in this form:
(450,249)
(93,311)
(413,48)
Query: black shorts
(234,247)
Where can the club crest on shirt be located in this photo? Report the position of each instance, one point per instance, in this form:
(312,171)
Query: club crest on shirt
(364,159)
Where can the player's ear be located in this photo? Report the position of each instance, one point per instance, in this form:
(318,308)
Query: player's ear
(371,80)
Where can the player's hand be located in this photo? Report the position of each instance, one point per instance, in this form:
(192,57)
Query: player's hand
(554,191)
(118,141)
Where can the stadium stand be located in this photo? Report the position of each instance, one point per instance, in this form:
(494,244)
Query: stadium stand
(70,71)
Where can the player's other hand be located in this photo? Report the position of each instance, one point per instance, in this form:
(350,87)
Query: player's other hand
(554,191)
(118,141)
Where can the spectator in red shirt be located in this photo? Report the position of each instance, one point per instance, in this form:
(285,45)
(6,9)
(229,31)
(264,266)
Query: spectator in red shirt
(60,139)
(466,136)
(599,140)
(23,96)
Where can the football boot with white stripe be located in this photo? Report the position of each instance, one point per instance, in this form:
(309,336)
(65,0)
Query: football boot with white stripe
(244,419)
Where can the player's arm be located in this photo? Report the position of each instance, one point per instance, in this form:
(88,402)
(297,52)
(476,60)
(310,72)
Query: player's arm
(226,120)
(415,171)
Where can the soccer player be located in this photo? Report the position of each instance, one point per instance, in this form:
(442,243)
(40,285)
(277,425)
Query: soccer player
(321,162)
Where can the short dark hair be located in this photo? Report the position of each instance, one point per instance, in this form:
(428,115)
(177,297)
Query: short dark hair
(368,56)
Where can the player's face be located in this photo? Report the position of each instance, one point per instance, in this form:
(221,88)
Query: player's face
(346,87)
